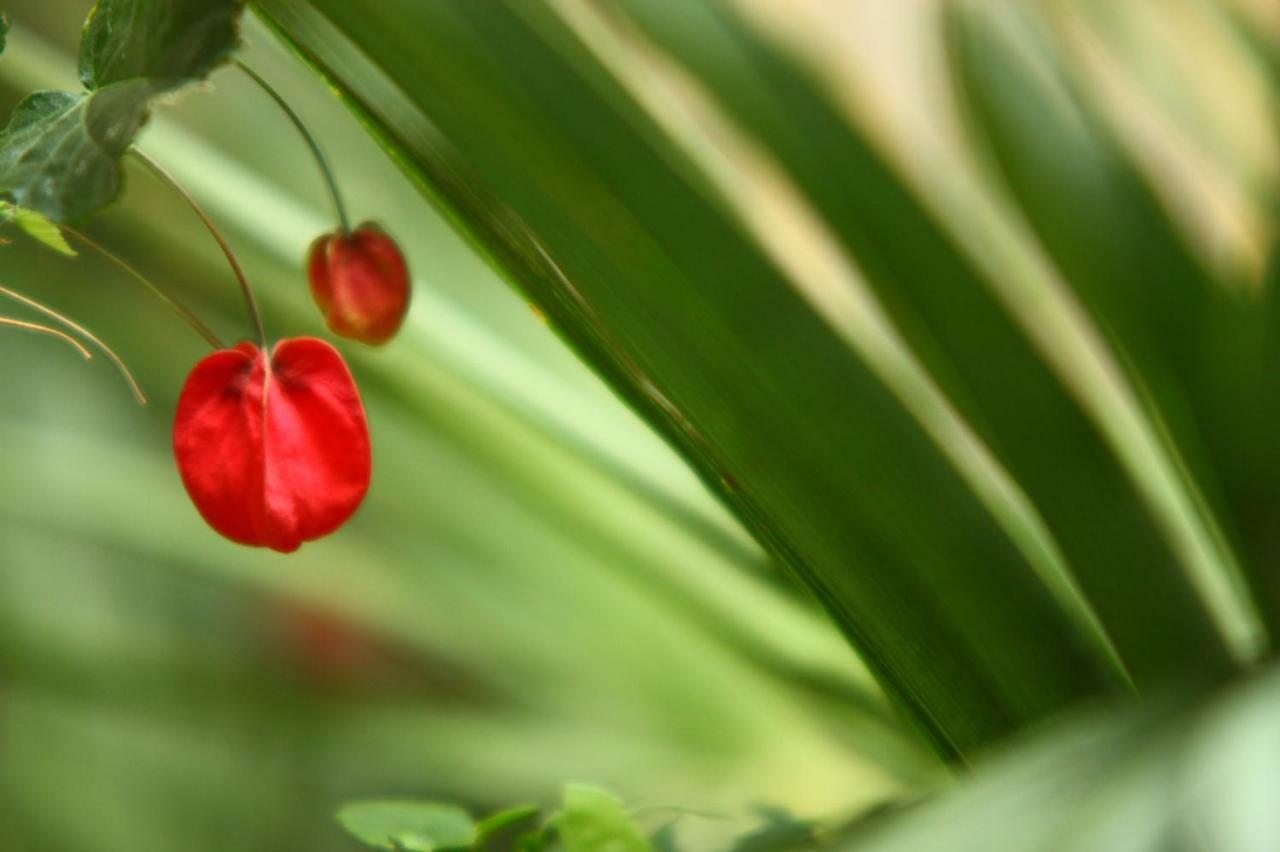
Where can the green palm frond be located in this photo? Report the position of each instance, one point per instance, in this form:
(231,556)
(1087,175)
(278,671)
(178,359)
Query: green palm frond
(702,219)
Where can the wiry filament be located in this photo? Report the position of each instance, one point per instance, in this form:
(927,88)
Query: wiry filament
(53,332)
(246,289)
(83,332)
(173,304)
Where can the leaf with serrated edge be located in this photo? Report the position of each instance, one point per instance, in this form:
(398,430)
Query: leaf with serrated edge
(175,40)
(60,154)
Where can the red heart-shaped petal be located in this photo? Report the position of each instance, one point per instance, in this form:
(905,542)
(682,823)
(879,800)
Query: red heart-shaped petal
(273,452)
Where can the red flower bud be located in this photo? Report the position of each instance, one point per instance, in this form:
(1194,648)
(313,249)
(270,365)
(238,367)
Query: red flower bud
(273,452)
(361,283)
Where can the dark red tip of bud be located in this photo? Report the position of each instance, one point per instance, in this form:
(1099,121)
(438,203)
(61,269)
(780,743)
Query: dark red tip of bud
(360,282)
(274,452)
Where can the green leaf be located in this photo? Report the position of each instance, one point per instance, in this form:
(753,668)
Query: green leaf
(503,819)
(47,137)
(37,227)
(821,440)
(60,153)
(411,826)
(167,41)
(594,820)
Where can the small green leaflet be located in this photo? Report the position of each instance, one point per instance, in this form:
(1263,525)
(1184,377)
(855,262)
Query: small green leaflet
(36,226)
(60,154)
(503,819)
(594,820)
(591,820)
(409,826)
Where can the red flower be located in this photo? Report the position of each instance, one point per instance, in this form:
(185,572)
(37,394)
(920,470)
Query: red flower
(361,283)
(273,452)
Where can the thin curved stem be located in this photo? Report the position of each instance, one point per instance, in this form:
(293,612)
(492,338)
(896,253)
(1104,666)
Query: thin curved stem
(173,304)
(83,332)
(254,313)
(321,160)
(52,332)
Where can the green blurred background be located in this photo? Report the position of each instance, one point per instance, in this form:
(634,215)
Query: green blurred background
(536,591)
(539,590)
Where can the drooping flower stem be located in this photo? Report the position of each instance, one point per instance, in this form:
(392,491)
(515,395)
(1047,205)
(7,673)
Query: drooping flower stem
(245,288)
(174,305)
(321,160)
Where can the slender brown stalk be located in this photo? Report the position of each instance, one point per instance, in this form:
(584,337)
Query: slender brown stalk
(250,301)
(83,332)
(173,304)
(53,332)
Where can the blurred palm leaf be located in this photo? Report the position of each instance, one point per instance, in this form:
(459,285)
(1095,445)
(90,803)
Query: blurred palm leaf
(701,220)
(632,256)
(1171,776)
